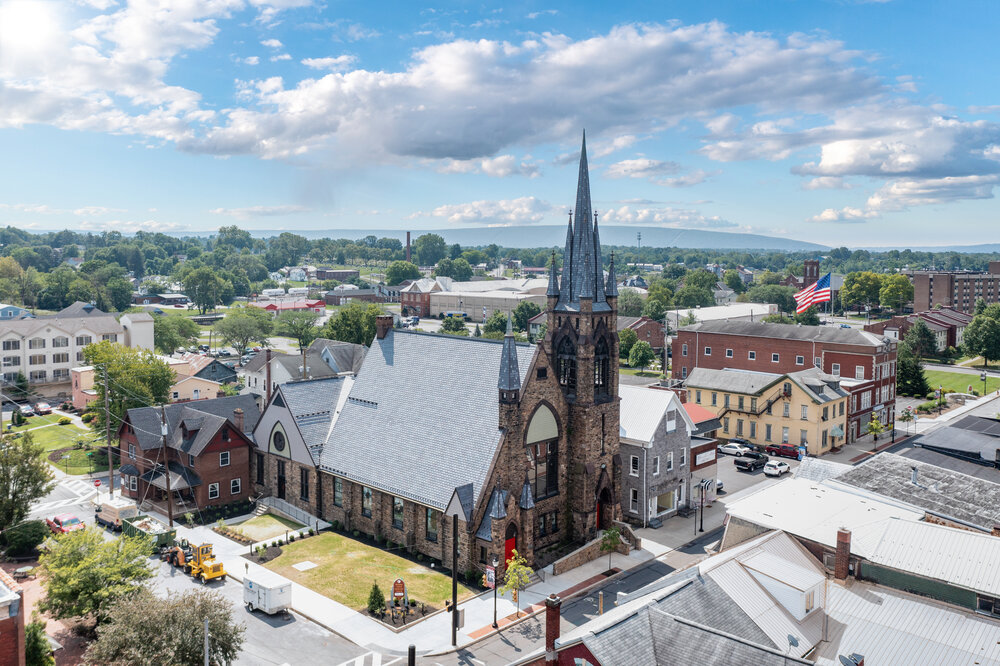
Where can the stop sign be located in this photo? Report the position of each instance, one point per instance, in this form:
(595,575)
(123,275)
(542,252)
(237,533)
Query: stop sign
(97,483)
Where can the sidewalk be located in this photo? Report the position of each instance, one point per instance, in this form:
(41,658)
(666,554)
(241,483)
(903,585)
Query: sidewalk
(431,635)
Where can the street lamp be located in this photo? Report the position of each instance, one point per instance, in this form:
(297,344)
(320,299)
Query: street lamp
(983,377)
(496,563)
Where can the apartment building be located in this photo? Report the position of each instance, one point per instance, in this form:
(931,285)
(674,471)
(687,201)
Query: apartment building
(44,349)
(955,289)
(806,408)
(865,363)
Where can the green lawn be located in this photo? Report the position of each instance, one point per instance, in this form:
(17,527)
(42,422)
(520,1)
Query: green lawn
(64,438)
(640,373)
(57,437)
(33,422)
(346,569)
(267,526)
(959,382)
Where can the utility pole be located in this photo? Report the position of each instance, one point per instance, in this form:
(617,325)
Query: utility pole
(107,434)
(206,642)
(166,474)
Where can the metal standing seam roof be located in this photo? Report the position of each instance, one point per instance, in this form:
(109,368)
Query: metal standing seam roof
(733,381)
(422,417)
(829,334)
(643,409)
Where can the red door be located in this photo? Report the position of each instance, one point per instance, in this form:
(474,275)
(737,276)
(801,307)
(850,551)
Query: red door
(510,543)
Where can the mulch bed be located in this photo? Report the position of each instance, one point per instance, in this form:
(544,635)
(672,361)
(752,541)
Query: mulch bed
(270,553)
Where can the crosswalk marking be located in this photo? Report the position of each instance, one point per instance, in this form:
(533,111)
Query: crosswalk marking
(371,659)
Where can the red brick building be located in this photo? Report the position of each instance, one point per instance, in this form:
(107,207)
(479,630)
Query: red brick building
(415,298)
(208,447)
(11,622)
(947,325)
(648,330)
(958,289)
(865,362)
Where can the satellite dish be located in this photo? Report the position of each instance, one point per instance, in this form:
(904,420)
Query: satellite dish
(793,641)
(852,660)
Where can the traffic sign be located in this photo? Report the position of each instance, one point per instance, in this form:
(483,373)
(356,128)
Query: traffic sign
(97,483)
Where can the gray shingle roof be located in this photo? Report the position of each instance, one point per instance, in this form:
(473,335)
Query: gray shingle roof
(938,490)
(347,356)
(851,336)
(293,362)
(313,405)
(146,420)
(734,381)
(422,417)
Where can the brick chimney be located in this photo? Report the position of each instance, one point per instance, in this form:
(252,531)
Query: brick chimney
(383,324)
(841,566)
(267,374)
(238,419)
(552,605)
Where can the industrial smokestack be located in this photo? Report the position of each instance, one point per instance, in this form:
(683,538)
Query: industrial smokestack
(408,246)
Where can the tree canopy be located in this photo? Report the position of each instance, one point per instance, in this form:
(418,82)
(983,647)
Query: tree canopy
(861,288)
(401,270)
(895,292)
(353,323)
(170,333)
(430,249)
(300,325)
(24,478)
(641,355)
(243,326)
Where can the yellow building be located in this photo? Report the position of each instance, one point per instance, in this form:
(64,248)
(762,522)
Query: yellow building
(806,408)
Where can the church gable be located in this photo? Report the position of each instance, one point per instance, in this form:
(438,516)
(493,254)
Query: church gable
(277,433)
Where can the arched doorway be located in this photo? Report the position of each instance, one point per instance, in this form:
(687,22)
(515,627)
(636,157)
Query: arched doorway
(604,513)
(509,542)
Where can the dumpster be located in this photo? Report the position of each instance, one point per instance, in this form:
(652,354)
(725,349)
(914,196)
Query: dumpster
(162,536)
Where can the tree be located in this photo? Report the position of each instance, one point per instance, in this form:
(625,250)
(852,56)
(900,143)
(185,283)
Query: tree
(119,293)
(692,297)
(37,651)
(808,317)
(701,279)
(376,600)
(430,249)
(627,338)
(143,628)
(875,428)
(910,379)
(497,323)
(399,271)
(629,302)
(169,333)
(895,292)
(23,538)
(773,294)
(689,319)
(299,325)
(654,308)
(456,325)
(524,311)
(516,577)
(921,340)
(907,417)
(354,323)
(204,288)
(24,478)
(734,281)
(84,575)
(243,326)
(980,305)
(641,355)
(982,338)
(455,251)
(610,539)
(234,237)
(767,277)
(861,288)
(136,378)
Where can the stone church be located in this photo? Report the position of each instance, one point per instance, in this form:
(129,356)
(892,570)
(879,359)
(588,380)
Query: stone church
(520,440)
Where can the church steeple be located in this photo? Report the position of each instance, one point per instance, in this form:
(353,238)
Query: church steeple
(509,382)
(611,287)
(553,290)
(582,275)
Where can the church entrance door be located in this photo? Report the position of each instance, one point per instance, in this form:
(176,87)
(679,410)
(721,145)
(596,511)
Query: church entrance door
(510,543)
(604,510)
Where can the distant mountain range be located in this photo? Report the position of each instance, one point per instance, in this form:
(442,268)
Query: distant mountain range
(555,236)
(984,248)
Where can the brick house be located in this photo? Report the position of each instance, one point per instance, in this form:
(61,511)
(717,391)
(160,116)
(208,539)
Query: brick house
(947,325)
(521,441)
(646,329)
(864,362)
(206,367)
(207,452)
(11,622)
(655,443)
(415,298)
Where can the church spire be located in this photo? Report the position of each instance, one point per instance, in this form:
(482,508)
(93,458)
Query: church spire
(553,289)
(611,287)
(510,376)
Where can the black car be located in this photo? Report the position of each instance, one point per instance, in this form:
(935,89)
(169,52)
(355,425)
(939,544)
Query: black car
(748,462)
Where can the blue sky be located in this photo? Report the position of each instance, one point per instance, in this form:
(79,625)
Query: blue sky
(840,122)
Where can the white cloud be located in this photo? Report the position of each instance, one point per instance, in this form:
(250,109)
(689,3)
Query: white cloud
(280,57)
(260,211)
(335,64)
(251,60)
(667,217)
(91,211)
(846,214)
(827,183)
(272,43)
(525,210)
(129,226)
(544,12)
(657,172)
(497,167)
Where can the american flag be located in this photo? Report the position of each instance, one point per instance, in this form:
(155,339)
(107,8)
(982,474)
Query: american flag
(818,292)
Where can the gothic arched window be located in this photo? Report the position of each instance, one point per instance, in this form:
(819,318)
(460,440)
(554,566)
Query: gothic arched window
(566,364)
(601,367)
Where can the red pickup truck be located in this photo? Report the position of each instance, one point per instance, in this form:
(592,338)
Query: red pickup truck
(64,522)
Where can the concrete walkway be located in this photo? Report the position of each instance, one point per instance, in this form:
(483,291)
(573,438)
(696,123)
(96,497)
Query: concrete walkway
(431,635)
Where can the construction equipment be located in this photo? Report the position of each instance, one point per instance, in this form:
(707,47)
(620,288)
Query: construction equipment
(178,554)
(201,564)
(161,537)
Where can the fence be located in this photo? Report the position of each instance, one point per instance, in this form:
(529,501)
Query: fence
(293,512)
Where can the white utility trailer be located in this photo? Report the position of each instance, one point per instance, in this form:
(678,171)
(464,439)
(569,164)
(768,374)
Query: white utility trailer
(267,591)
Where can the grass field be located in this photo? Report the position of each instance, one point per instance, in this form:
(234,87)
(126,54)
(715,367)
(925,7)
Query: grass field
(267,526)
(32,422)
(346,569)
(640,373)
(959,382)
(53,437)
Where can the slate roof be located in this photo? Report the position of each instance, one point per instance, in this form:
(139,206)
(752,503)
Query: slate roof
(939,491)
(292,362)
(348,356)
(146,420)
(819,386)
(422,417)
(846,336)
(313,404)
(510,376)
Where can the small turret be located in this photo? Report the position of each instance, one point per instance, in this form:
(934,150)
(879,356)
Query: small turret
(611,286)
(509,382)
(553,290)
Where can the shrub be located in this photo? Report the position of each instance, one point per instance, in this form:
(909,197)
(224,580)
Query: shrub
(88,417)
(291,538)
(376,600)
(336,525)
(64,420)
(25,537)
(189,519)
(221,524)
(420,557)
(311,531)
(274,544)
(472,577)
(356,534)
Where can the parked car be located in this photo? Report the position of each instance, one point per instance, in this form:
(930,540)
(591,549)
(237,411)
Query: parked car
(731,449)
(783,450)
(776,468)
(43,408)
(750,461)
(845,325)
(64,522)
(719,486)
(414,320)
(26,410)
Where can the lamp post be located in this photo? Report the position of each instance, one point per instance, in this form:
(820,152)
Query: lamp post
(703,490)
(983,377)
(496,563)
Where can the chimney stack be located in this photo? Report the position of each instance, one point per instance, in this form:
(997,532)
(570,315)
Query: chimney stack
(267,373)
(383,324)
(238,419)
(841,566)
(408,246)
(995,531)
(914,476)
(552,605)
